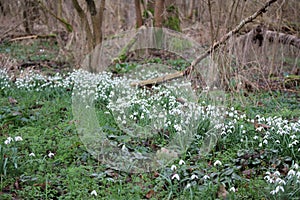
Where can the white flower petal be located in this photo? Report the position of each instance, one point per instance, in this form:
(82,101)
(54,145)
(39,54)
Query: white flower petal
(217,163)
(94,193)
(181,162)
(176,176)
(173,167)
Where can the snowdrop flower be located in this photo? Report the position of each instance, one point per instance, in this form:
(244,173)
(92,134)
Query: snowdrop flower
(293,137)
(194,177)
(32,155)
(277,173)
(278,188)
(181,162)
(232,189)
(217,163)
(94,193)
(8,140)
(188,186)
(298,175)
(50,154)
(176,176)
(259,128)
(173,167)
(296,166)
(291,173)
(206,177)
(280,181)
(18,138)
(255,137)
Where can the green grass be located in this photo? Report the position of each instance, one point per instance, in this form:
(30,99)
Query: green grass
(45,122)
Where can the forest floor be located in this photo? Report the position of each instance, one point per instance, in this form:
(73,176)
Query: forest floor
(254,153)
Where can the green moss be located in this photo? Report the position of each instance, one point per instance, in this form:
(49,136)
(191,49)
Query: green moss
(172,21)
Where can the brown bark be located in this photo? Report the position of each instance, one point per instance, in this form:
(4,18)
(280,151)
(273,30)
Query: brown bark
(158,13)
(84,22)
(139,19)
(30,13)
(97,20)
(191,9)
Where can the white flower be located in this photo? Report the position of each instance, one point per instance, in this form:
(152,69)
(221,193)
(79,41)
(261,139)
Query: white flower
(273,192)
(296,166)
(50,154)
(94,193)
(298,175)
(232,189)
(176,176)
(293,137)
(181,162)
(280,181)
(291,173)
(178,127)
(255,137)
(8,140)
(173,167)
(32,155)
(277,173)
(217,163)
(18,138)
(206,177)
(194,177)
(188,186)
(279,187)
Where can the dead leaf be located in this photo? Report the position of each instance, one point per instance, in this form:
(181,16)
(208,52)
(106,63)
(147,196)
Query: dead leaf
(17,185)
(265,126)
(156,174)
(150,194)
(180,100)
(12,101)
(248,172)
(222,192)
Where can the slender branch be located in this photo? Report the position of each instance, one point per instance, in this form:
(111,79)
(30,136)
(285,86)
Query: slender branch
(61,20)
(231,33)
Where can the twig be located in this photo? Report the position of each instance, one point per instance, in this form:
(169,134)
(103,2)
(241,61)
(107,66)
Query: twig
(68,26)
(32,37)
(215,46)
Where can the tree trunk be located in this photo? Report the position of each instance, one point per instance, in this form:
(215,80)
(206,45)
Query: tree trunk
(84,22)
(139,19)
(158,13)
(191,9)
(97,20)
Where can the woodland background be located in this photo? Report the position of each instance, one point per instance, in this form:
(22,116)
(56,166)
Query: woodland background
(78,26)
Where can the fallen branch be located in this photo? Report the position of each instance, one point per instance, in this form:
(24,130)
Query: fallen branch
(215,46)
(33,37)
